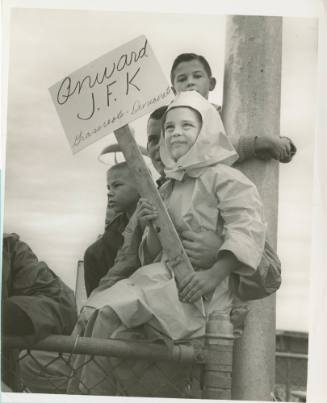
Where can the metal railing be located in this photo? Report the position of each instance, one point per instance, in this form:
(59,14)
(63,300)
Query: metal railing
(293,367)
(137,368)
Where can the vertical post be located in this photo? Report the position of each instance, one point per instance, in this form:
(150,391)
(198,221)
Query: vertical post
(80,291)
(217,383)
(252,86)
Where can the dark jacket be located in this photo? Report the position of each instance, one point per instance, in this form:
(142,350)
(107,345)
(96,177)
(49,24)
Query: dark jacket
(100,256)
(36,290)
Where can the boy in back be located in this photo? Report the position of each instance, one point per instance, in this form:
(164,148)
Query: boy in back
(122,199)
(192,72)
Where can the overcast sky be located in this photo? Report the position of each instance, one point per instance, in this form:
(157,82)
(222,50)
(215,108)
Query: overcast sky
(56,201)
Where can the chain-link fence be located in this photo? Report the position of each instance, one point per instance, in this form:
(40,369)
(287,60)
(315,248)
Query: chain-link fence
(58,365)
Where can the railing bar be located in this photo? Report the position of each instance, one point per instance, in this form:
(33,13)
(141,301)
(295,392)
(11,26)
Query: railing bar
(292,355)
(113,348)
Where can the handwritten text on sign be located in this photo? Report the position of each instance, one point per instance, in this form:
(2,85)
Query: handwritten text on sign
(110,92)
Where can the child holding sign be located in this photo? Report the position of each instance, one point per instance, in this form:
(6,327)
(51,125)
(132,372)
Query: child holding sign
(203,193)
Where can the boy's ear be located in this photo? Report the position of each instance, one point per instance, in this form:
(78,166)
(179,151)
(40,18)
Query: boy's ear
(173,89)
(212,84)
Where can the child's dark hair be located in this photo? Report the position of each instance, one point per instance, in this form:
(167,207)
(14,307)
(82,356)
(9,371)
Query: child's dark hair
(187,57)
(158,113)
(120,165)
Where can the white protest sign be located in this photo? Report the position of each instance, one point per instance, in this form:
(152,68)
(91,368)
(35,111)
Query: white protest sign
(110,92)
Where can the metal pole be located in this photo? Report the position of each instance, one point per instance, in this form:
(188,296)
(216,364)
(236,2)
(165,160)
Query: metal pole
(218,367)
(252,86)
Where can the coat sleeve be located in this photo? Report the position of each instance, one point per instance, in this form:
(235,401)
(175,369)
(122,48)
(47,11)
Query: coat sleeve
(244,145)
(92,267)
(127,260)
(100,256)
(241,210)
(36,290)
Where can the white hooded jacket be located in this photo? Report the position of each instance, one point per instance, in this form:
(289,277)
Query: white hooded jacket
(206,193)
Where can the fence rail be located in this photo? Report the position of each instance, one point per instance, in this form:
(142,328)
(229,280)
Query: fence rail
(139,368)
(112,348)
(298,356)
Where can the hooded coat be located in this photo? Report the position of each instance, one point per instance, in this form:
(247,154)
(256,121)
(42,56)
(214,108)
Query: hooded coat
(203,193)
(206,193)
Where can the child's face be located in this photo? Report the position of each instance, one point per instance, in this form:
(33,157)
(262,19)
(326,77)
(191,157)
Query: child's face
(122,194)
(182,126)
(191,75)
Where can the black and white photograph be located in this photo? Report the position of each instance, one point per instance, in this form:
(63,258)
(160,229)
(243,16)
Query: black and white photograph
(161,189)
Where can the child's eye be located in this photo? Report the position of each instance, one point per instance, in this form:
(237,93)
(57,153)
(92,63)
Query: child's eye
(169,127)
(199,75)
(181,78)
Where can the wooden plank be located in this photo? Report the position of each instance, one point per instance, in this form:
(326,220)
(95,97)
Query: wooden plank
(166,231)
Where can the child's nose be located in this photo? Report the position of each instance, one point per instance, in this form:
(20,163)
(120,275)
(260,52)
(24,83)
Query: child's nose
(190,82)
(177,131)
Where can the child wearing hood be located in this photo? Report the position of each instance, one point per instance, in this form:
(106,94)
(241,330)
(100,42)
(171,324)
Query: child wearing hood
(203,193)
